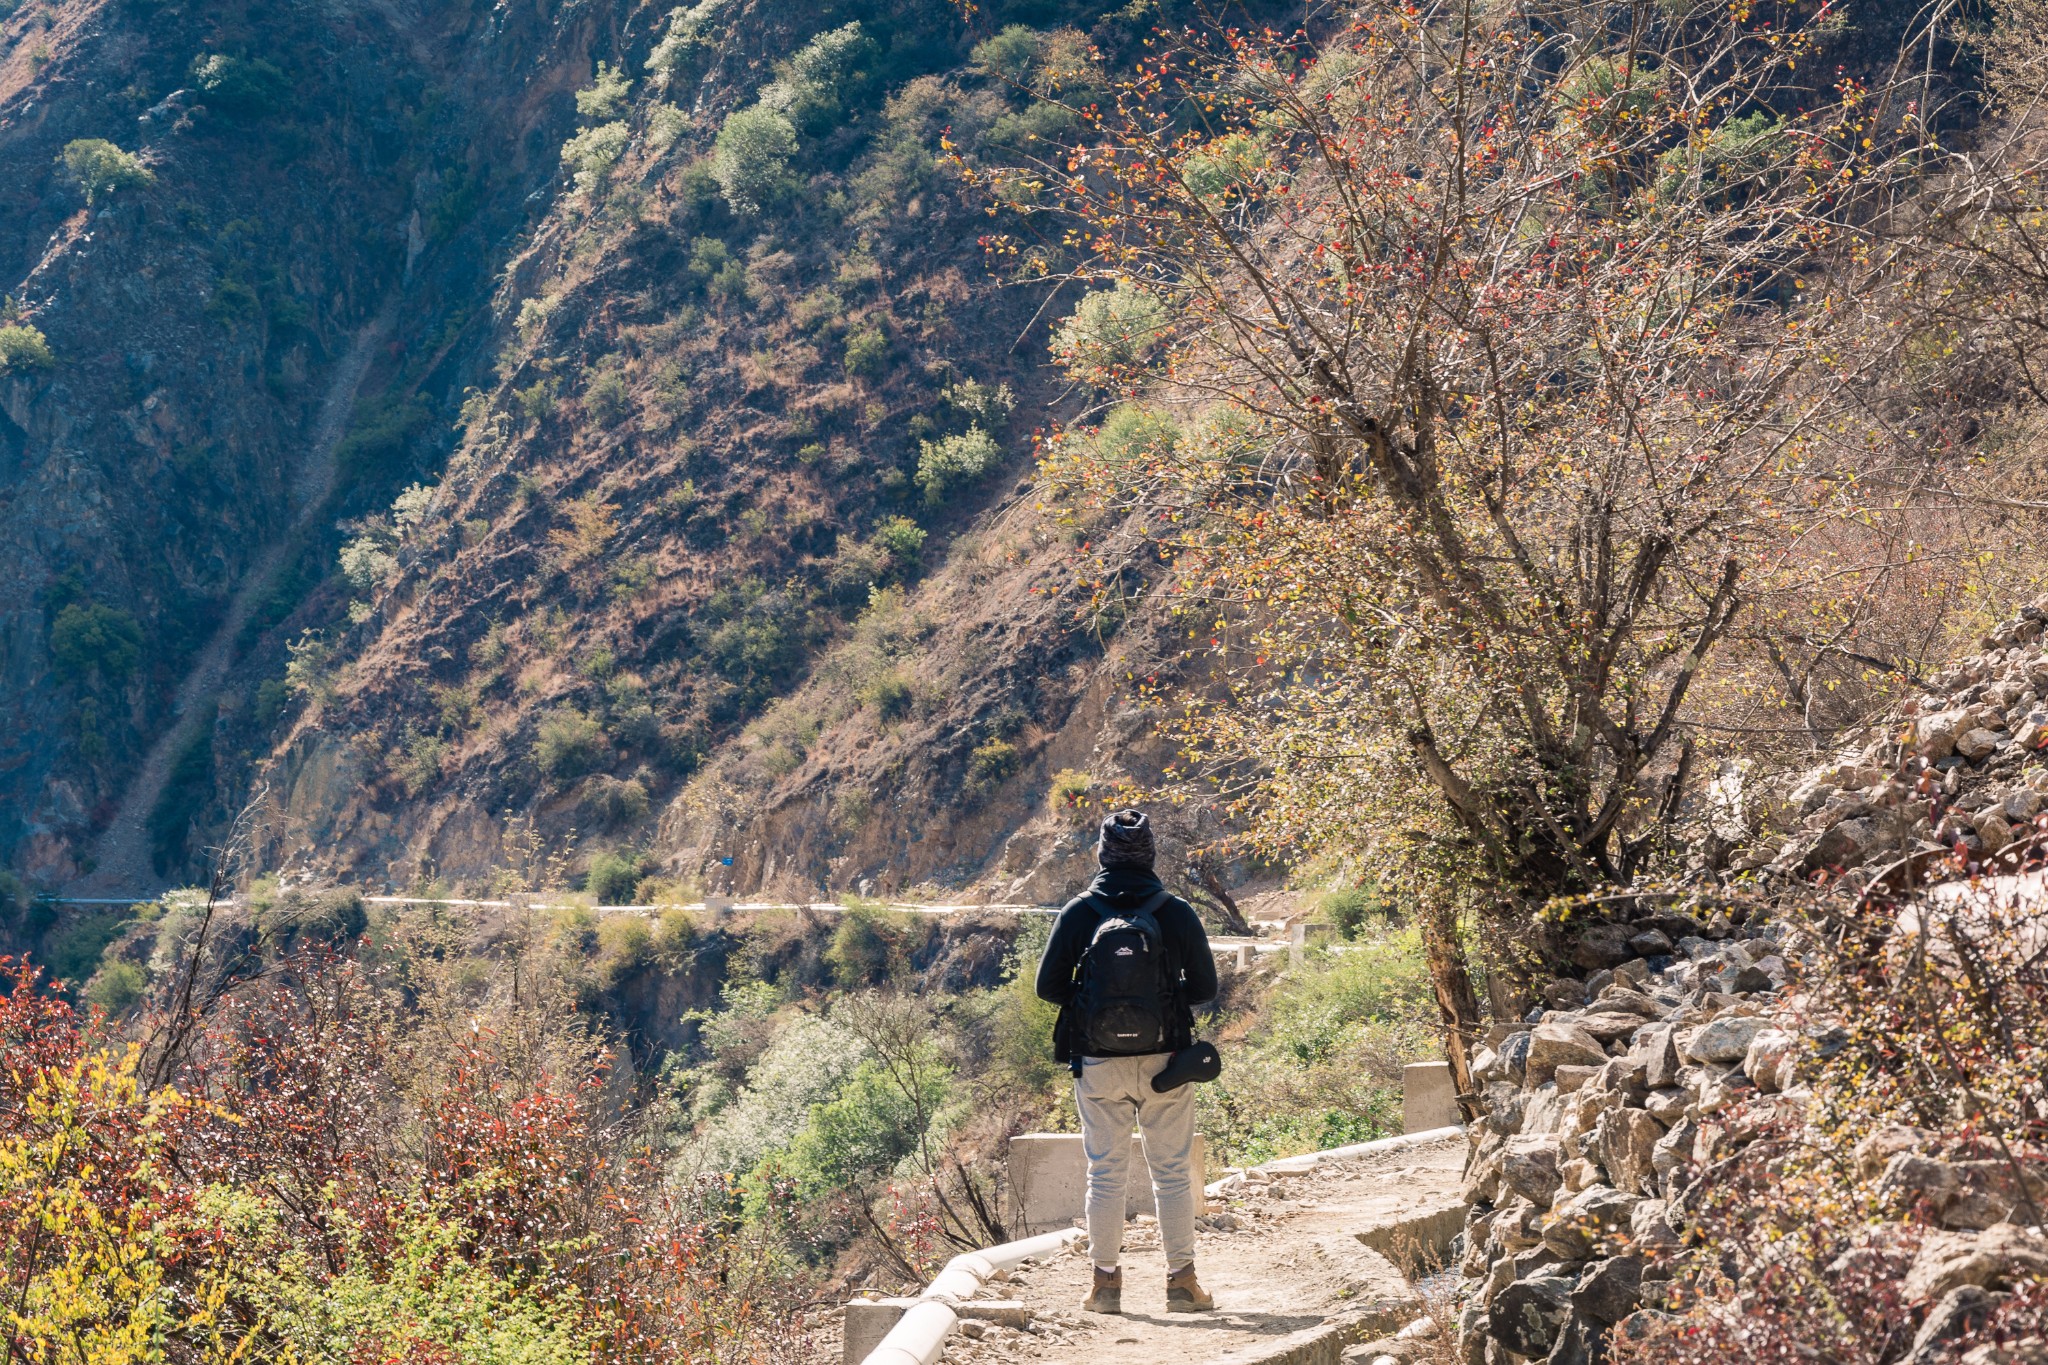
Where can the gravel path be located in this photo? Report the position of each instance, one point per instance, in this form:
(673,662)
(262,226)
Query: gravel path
(1280,1258)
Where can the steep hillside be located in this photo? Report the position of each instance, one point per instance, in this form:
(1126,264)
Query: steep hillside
(293,172)
(731,430)
(459,425)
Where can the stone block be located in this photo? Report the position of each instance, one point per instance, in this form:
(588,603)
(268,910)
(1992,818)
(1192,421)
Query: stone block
(1049,1181)
(867,1322)
(1429,1098)
(1305,936)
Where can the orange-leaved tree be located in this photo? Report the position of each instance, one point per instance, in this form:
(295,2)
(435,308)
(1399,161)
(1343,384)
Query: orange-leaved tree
(1477,370)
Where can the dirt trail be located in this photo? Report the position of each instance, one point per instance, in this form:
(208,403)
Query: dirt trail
(1291,1262)
(121,861)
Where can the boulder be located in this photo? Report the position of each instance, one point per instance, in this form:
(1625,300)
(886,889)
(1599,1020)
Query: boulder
(1627,1148)
(1953,1320)
(1934,736)
(1649,943)
(1668,1105)
(1657,1048)
(1875,1152)
(1995,1191)
(1582,1342)
(1578,1225)
(1529,1167)
(1528,1315)
(1610,1027)
(1726,1039)
(1978,744)
(1609,1290)
(1553,1044)
(1995,1258)
(1602,945)
(1673,1151)
(1770,1059)
(1570,1078)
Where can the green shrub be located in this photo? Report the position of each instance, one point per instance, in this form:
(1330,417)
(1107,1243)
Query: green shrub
(23,348)
(610,802)
(367,563)
(72,951)
(567,744)
(1068,799)
(902,540)
(537,399)
(605,96)
(945,465)
(267,706)
(590,155)
(809,87)
(862,1132)
(1350,907)
(613,877)
(993,761)
(245,90)
(686,29)
(604,397)
(233,302)
(750,158)
(871,943)
(1111,333)
(116,988)
(380,437)
(100,168)
(867,351)
(889,693)
(1010,54)
(91,640)
(1133,432)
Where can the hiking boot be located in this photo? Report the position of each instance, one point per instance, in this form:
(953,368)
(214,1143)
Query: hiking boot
(1108,1294)
(1185,1295)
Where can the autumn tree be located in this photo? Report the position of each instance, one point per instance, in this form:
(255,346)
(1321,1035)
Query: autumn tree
(1477,373)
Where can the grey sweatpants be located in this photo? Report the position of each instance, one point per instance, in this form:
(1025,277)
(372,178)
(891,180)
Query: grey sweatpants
(1112,1093)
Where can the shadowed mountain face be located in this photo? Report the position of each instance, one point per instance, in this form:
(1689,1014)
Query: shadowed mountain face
(491,438)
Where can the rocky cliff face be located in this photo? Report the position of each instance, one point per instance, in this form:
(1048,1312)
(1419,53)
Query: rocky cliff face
(309,169)
(668,449)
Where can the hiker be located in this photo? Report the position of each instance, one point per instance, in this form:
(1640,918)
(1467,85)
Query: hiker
(1127,963)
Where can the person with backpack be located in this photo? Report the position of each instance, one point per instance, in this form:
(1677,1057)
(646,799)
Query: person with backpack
(1127,963)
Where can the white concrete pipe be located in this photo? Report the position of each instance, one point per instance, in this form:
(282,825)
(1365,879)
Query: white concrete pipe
(920,1335)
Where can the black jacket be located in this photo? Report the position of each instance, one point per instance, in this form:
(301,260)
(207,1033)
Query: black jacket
(1186,942)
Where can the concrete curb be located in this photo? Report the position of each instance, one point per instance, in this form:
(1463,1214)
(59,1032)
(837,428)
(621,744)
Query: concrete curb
(1296,1165)
(1322,1344)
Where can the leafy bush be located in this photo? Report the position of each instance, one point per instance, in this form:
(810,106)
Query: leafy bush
(750,158)
(1133,431)
(306,669)
(245,90)
(686,29)
(665,126)
(22,347)
(1010,54)
(889,693)
(92,640)
(1068,798)
(367,563)
(902,540)
(116,988)
(1111,334)
(993,761)
(380,438)
(537,399)
(412,506)
(100,168)
(1349,908)
(605,97)
(590,155)
(613,877)
(867,351)
(604,397)
(610,802)
(947,464)
(567,744)
(805,1064)
(872,944)
(809,86)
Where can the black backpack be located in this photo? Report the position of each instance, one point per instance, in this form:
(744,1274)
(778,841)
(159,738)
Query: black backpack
(1123,1004)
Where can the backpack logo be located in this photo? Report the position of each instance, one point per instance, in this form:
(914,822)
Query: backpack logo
(1124,952)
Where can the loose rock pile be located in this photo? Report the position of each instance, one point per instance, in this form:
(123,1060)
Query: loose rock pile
(1943,774)
(1601,1107)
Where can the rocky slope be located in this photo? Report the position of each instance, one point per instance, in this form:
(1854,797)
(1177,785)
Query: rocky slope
(636,522)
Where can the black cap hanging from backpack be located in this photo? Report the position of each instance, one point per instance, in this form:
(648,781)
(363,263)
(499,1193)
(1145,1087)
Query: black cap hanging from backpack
(1200,1062)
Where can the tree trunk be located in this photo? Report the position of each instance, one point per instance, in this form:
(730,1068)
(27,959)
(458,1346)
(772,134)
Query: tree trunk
(1456,1002)
(1206,875)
